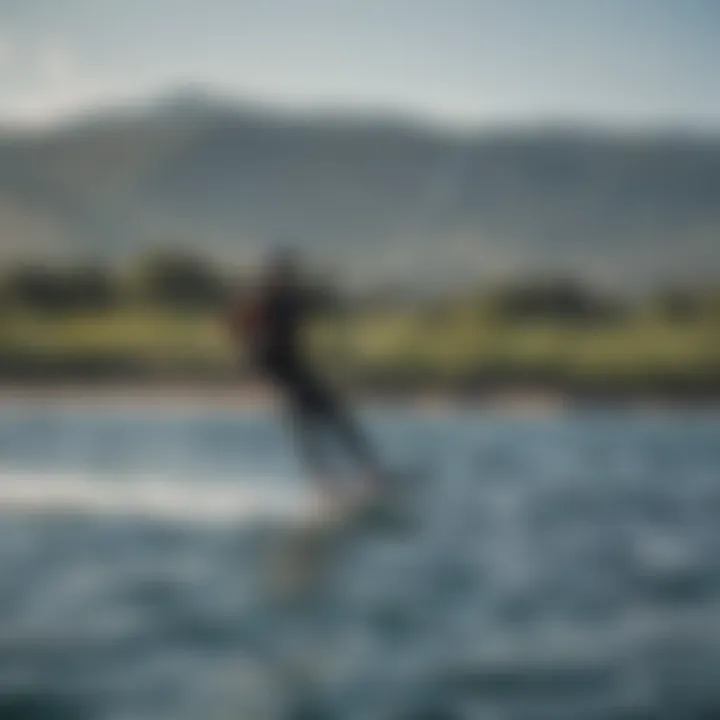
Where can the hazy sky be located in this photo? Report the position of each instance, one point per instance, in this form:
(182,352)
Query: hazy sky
(620,61)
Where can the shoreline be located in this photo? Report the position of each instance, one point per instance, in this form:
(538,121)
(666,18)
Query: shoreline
(248,396)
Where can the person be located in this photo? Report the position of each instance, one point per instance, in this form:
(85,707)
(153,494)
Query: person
(269,324)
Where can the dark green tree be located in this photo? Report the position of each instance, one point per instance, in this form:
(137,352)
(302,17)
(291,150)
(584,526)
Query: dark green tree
(180,280)
(48,289)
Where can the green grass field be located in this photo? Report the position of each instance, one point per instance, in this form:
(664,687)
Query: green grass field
(457,349)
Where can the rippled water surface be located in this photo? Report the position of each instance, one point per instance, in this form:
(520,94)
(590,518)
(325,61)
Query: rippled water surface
(559,567)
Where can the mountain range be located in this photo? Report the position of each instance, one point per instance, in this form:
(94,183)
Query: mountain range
(378,197)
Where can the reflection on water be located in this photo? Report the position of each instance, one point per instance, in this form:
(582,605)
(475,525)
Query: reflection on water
(561,568)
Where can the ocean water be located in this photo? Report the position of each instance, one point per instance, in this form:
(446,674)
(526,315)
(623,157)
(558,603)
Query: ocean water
(565,566)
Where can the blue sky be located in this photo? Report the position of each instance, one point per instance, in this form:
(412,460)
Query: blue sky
(626,62)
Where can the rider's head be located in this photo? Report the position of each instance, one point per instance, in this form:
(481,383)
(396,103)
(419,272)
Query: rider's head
(282,267)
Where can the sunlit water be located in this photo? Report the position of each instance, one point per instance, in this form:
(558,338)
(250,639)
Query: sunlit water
(559,567)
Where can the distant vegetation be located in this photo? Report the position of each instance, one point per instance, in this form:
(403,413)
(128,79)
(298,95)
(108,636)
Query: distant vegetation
(162,317)
(390,202)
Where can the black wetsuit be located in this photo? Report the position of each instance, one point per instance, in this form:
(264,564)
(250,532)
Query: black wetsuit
(316,412)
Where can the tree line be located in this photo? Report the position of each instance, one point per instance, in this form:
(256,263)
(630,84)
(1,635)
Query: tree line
(181,281)
(171,280)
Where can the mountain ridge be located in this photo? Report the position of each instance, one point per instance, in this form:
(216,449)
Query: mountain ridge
(379,196)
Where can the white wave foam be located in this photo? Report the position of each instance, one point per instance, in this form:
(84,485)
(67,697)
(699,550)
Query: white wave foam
(153,497)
